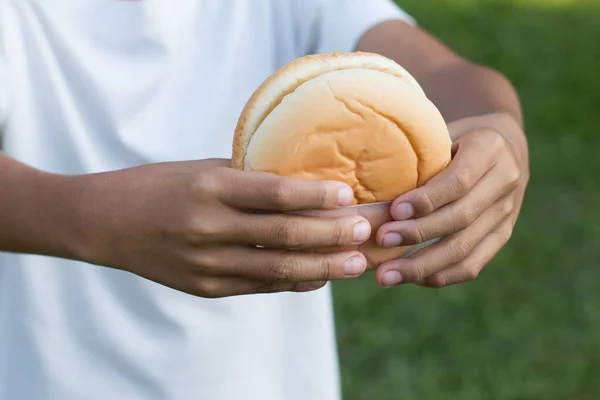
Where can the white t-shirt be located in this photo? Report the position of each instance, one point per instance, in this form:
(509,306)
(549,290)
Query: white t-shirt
(97,85)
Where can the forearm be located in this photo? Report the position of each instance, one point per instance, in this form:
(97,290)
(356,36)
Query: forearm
(37,211)
(462,90)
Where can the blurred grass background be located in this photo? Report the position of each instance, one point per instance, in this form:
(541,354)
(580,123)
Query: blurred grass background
(529,326)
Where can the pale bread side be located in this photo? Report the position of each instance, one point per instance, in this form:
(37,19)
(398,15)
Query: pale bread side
(283,82)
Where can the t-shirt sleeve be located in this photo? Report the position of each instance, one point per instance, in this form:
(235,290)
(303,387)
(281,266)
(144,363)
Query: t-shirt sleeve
(338,25)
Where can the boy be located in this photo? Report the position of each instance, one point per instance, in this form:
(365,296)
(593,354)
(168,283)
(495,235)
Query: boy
(123,260)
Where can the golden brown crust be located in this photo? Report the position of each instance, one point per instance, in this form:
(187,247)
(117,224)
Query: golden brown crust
(372,127)
(368,129)
(284,81)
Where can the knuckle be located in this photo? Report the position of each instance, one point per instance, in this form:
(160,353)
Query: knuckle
(464,217)
(426,202)
(205,182)
(338,236)
(417,233)
(207,261)
(289,233)
(321,195)
(459,249)
(437,281)
(319,268)
(462,180)
(326,269)
(283,268)
(279,193)
(206,229)
(419,272)
(514,177)
(494,141)
(209,288)
(471,271)
(507,208)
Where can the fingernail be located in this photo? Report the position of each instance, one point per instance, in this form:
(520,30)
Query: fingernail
(391,278)
(404,211)
(361,233)
(354,266)
(392,240)
(345,196)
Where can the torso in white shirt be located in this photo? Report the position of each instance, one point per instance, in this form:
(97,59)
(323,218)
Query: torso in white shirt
(97,85)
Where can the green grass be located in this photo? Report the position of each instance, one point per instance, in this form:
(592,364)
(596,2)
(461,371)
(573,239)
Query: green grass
(529,326)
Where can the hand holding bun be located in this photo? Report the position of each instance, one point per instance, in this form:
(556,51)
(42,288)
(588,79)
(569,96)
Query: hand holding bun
(357,118)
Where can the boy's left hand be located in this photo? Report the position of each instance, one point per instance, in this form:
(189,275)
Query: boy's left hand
(472,206)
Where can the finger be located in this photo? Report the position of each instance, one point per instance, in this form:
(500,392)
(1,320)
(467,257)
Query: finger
(438,256)
(287,231)
(268,192)
(218,287)
(452,217)
(470,267)
(300,287)
(475,155)
(270,265)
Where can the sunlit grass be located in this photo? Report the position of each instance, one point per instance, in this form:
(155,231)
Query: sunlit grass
(528,328)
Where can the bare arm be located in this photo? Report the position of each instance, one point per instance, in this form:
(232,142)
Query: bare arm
(184,225)
(37,211)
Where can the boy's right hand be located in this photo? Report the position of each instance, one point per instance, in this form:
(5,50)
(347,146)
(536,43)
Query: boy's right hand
(191,226)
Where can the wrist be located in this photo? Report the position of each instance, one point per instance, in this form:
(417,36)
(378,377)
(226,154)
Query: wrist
(38,214)
(512,130)
(90,223)
(73,203)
